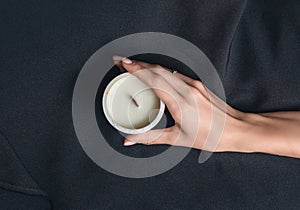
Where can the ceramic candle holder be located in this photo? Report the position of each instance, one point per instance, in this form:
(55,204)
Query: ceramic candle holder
(130,106)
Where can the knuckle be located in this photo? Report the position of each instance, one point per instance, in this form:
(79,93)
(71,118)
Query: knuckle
(156,80)
(197,83)
(157,66)
(139,67)
(193,96)
(200,86)
(193,91)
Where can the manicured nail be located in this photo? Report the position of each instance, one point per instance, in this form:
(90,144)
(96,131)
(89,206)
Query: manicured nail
(129,143)
(117,58)
(126,60)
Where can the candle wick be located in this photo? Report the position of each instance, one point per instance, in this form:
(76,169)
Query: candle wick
(134,101)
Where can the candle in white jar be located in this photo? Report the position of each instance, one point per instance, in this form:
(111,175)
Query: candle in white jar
(130,105)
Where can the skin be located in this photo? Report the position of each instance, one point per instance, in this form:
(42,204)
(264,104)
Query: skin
(188,100)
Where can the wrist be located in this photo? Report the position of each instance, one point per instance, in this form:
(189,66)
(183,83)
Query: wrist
(240,133)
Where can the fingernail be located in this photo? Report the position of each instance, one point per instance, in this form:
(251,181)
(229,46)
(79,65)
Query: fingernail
(126,60)
(117,58)
(129,143)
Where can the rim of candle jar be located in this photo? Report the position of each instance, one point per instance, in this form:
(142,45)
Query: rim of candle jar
(144,129)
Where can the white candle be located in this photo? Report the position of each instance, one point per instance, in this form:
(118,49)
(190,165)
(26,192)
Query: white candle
(130,105)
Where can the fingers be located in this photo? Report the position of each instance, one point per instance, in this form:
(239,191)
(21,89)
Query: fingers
(158,136)
(180,78)
(160,86)
(179,85)
(118,62)
(192,82)
(184,78)
(173,81)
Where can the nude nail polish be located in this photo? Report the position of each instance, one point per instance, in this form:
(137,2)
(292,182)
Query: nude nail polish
(126,60)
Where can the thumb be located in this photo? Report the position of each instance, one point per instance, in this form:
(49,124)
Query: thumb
(158,136)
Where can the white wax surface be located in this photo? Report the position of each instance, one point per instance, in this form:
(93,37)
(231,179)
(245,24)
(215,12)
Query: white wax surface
(122,109)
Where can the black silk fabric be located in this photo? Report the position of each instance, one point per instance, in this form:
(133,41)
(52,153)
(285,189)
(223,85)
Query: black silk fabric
(254,46)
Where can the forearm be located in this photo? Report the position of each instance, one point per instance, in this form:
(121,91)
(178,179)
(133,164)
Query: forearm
(273,133)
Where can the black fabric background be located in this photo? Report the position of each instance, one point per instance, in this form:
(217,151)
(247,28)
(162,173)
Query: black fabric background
(254,46)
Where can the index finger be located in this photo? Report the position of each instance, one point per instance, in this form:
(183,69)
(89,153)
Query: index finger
(159,85)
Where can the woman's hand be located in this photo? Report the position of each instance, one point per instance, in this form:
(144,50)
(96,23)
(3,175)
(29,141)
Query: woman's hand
(200,116)
(196,110)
